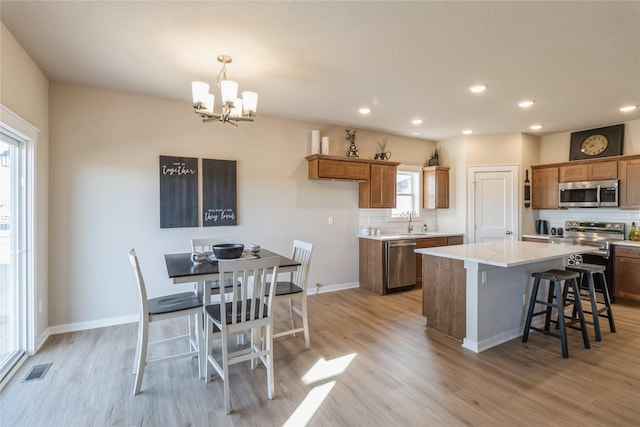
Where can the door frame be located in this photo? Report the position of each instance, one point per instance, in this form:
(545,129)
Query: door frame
(514,170)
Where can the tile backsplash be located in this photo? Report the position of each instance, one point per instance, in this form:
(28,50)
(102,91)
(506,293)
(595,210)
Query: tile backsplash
(380,219)
(557,217)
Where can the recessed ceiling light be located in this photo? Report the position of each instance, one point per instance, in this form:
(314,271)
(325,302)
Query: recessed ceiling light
(467,131)
(416,134)
(526,103)
(535,127)
(416,121)
(364,110)
(628,108)
(478,88)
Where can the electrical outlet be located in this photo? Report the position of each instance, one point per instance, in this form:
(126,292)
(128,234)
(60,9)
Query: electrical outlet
(524,299)
(484,277)
(330,220)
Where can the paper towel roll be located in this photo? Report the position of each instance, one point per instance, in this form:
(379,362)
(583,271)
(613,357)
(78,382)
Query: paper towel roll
(315,142)
(325,145)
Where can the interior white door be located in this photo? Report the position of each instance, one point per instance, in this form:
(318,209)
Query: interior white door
(494,203)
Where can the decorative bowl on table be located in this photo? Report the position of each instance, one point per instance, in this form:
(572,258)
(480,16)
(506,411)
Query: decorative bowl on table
(228,250)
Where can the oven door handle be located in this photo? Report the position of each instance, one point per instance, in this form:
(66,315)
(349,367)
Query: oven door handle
(598,196)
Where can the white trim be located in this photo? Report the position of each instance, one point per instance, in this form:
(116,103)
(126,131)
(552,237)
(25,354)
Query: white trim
(14,370)
(322,289)
(11,121)
(92,324)
(514,170)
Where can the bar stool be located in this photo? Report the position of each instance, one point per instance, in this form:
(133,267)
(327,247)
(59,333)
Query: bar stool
(587,283)
(556,278)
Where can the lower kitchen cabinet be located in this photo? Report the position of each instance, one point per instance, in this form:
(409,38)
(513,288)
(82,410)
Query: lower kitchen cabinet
(626,271)
(372,260)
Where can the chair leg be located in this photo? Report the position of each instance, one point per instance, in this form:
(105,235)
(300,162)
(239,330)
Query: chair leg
(547,317)
(202,355)
(269,357)
(607,303)
(305,323)
(561,326)
(141,354)
(532,304)
(293,325)
(225,374)
(207,348)
(594,306)
(583,326)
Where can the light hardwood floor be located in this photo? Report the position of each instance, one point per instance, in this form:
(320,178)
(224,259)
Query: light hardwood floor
(399,374)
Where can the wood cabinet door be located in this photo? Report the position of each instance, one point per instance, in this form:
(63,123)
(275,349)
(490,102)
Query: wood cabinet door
(428,242)
(629,173)
(602,170)
(336,169)
(627,273)
(573,173)
(380,190)
(544,188)
(435,187)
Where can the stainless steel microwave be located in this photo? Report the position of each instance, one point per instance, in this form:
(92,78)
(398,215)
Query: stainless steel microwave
(588,194)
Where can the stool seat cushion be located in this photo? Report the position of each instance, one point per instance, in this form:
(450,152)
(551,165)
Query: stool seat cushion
(556,275)
(175,302)
(586,268)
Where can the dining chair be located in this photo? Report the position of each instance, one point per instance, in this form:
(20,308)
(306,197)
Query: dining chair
(162,308)
(249,309)
(295,290)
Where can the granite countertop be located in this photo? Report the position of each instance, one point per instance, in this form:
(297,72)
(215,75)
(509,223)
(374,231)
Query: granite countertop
(506,253)
(413,235)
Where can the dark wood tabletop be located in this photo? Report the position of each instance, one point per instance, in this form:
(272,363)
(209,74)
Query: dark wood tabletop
(180,265)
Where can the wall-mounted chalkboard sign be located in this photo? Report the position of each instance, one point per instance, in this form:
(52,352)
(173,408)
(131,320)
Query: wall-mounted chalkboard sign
(219,202)
(178,192)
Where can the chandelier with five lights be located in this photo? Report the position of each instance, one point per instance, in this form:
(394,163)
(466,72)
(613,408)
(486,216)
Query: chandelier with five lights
(233,109)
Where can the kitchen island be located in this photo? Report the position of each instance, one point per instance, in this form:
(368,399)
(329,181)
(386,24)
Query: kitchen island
(479,292)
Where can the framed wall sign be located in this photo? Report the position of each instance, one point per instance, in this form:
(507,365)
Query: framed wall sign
(178,192)
(599,142)
(219,201)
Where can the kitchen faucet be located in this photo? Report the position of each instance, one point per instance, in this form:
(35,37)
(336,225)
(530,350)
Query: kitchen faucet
(409,226)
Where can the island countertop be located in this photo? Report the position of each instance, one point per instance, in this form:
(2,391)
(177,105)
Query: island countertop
(506,253)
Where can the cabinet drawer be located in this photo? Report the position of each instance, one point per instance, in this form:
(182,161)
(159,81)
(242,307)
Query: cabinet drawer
(336,169)
(625,251)
(431,242)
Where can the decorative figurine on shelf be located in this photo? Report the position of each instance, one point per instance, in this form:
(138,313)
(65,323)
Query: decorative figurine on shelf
(351,137)
(433,161)
(382,155)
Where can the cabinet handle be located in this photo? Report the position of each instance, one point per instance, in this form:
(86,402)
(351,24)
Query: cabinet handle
(508,232)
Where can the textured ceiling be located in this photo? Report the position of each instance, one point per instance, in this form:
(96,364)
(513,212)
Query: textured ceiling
(321,61)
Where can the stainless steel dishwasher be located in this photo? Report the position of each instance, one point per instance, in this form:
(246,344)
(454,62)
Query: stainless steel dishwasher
(400,263)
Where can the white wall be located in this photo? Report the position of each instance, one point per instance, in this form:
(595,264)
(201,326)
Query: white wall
(24,89)
(105,186)
(555,148)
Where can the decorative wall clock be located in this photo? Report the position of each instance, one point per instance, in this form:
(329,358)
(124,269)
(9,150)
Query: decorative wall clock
(599,142)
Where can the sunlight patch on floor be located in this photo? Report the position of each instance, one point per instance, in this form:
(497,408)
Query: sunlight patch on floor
(324,369)
(303,413)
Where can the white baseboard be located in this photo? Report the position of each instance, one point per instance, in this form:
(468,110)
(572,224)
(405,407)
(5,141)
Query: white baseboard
(112,321)
(321,289)
(93,324)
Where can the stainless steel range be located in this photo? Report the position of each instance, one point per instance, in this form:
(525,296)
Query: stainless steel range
(592,233)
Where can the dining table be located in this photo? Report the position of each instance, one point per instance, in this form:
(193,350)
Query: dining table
(181,270)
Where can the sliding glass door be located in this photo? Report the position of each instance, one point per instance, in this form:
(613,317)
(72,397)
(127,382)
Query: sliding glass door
(12,232)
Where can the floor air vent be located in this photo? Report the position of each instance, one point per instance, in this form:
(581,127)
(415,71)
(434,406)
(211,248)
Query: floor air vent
(37,372)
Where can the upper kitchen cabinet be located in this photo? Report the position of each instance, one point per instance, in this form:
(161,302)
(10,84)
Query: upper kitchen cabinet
(380,190)
(593,171)
(629,174)
(435,187)
(544,187)
(339,168)
(377,178)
